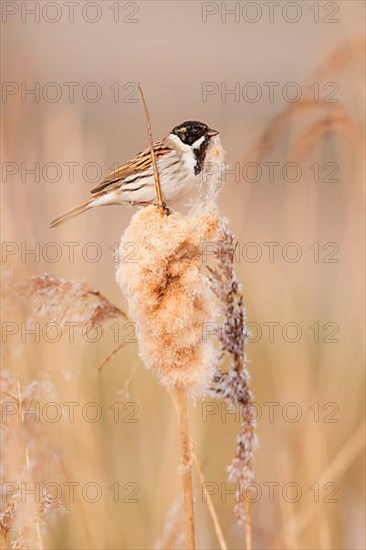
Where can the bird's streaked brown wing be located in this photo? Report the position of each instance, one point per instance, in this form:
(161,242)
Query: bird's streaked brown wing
(140,163)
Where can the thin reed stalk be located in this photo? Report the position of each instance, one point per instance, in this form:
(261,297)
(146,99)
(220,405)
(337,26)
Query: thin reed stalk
(248,526)
(211,508)
(181,401)
(151,143)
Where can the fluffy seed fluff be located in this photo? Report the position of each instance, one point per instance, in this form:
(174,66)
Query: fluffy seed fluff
(169,295)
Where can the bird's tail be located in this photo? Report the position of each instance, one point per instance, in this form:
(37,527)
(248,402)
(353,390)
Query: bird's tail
(73,212)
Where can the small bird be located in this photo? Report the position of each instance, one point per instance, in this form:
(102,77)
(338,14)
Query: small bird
(181,158)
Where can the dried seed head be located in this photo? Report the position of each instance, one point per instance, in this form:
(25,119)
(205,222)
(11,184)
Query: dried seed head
(233,386)
(169,295)
(64,301)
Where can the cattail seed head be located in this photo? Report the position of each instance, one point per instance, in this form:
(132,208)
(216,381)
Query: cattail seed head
(169,294)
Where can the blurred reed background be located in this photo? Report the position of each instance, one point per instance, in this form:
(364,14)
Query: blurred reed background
(173,52)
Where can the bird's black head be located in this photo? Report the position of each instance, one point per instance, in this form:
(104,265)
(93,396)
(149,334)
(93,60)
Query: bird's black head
(192,130)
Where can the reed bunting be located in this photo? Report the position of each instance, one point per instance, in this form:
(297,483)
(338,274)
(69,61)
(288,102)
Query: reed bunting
(182,159)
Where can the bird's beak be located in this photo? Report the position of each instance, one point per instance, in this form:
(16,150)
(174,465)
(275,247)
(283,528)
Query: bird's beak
(212,133)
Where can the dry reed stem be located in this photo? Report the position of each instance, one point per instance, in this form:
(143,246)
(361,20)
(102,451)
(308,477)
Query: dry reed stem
(248,526)
(151,143)
(181,401)
(211,508)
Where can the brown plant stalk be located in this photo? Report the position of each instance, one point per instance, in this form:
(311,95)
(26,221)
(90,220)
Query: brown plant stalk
(211,508)
(181,400)
(151,143)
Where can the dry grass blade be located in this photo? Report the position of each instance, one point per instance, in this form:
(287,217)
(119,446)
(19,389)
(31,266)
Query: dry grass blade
(211,508)
(151,143)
